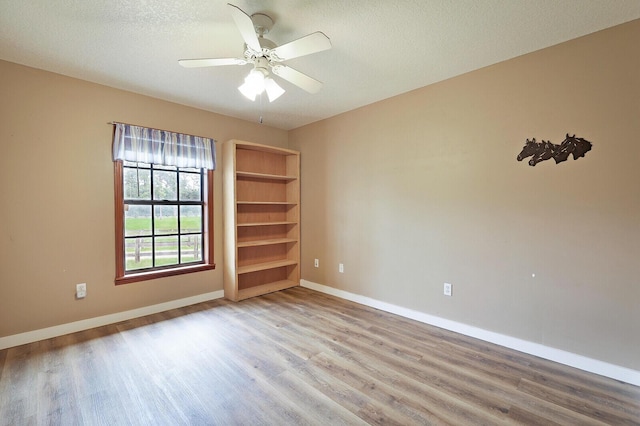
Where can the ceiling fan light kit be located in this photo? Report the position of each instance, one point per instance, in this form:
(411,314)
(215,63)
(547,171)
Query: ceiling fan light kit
(259,81)
(267,57)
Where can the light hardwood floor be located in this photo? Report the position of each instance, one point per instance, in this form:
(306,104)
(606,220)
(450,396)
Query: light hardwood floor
(294,357)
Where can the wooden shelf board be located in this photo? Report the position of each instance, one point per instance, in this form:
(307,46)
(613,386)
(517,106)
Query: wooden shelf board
(266,242)
(269,203)
(264,266)
(264,176)
(267,223)
(265,288)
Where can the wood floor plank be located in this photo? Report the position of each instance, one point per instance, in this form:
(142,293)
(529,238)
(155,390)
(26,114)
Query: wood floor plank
(357,402)
(601,412)
(323,410)
(616,401)
(446,381)
(395,395)
(294,357)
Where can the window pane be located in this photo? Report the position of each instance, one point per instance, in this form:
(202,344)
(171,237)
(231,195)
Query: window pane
(134,164)
(191,248)
(161,167)
(137,184)
(165,185)
(190,187)
(137,253)
(190,219)
(137,220)
(166,219)
(166,251)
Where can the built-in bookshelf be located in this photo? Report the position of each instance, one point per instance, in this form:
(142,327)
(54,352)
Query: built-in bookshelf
(261,204)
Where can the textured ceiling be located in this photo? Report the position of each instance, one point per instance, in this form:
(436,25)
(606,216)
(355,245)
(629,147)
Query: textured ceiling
(381,48)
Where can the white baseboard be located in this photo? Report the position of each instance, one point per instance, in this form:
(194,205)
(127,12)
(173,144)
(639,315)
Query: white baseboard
(563,357)
(72,327)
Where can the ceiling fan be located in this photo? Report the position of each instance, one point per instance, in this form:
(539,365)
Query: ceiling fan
(267,57)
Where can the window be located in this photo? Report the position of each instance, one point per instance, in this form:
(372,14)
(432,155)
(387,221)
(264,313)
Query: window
(164,218)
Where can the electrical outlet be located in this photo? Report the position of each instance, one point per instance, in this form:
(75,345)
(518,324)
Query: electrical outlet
(341,268)
(448,289)
(316,263)
(81,290)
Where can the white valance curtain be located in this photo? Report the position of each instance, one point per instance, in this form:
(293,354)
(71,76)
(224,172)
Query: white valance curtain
(153,146)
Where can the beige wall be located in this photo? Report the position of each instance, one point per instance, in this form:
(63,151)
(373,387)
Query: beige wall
(56,187)
(424,188)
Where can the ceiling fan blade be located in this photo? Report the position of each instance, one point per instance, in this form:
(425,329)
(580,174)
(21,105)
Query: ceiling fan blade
(312,43)
(197,63)
(245,25)
(301,80)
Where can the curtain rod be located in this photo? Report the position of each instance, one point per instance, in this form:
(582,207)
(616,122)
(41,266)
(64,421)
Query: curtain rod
(163,130)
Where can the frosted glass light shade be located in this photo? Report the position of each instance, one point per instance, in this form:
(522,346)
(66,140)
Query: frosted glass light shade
(248,92)
(255,80)
(274,91)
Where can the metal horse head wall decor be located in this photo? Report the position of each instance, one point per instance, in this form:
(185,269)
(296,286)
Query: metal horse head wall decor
(541,151)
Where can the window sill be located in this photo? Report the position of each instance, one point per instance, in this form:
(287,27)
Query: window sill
(144,276)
